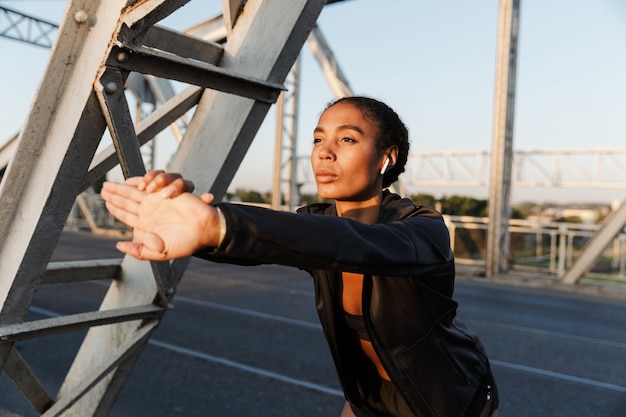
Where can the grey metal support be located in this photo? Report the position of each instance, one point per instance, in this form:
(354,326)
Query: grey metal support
(203,155)
(612,225)
(502,144)
(287,121)
(22,27)
(80,96)
(331,69)
(293,193)
(564,168)
(286,145)
(277,176)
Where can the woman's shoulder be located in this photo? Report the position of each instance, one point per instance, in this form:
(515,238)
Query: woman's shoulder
(396,207)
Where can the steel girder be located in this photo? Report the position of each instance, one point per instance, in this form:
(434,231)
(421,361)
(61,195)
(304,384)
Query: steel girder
(80,97)
(499,209)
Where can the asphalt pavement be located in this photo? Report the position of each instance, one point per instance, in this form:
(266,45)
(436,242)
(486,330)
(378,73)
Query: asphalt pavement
(245,341)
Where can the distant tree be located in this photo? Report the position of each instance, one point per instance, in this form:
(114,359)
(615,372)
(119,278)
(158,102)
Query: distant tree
(465,206)
(460,205)
(517,214)
(311,199)
(526,209)
(424,199)
(571,219)
(251,196)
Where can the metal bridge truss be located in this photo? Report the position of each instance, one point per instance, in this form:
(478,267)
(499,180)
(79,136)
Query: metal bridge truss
(56,156)
(22,27)
(567,168)
(231,87)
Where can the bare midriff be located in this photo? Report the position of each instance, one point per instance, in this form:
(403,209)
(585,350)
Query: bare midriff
(351,298)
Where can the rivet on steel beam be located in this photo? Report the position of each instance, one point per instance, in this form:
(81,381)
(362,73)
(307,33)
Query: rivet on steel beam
(81,16)
(122,56)
(110,87)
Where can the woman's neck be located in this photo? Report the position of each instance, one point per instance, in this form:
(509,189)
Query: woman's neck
(366,211)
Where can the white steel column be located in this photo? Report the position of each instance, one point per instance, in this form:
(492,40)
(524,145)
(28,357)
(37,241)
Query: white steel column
(82,93)
(285,183)
(277,177)
(502,144)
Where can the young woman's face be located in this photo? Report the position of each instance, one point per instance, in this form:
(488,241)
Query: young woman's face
(345,159)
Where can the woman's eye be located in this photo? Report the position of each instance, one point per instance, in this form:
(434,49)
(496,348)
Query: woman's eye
(317,140)
(347,139)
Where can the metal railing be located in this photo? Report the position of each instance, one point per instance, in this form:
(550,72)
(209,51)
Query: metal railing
(89,213)
(546,248)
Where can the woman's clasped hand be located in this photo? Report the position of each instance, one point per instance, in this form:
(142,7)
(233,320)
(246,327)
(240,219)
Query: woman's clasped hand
(168,221)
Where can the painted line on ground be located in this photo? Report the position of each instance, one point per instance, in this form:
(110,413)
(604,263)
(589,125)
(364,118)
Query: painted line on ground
(246,368)
(247,312)
(558,375)
(321,388)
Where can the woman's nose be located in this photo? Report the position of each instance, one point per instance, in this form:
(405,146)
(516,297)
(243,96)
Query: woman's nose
(326,152)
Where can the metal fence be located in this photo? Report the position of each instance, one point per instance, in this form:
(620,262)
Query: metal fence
(547,248)
(89,213)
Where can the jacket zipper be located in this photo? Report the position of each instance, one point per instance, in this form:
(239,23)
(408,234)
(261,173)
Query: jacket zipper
(366,294)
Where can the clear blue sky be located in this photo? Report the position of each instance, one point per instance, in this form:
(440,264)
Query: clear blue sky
(434,62)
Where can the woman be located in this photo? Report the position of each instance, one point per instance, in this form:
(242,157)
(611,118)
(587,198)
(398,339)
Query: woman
(382,267)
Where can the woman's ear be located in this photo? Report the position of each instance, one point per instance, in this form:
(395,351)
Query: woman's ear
(392,154)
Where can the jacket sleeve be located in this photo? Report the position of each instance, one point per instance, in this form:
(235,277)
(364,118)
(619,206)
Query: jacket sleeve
(308,241)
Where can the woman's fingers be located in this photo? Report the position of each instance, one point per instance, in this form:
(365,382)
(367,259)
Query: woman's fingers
(122,201)
(144,245)
(168,179)
(121,195)
(207,198)
(151,244)
(171,183)
(127,247)
(136,182)
(188,186)
(149,177)
(122,215)
(163,228)
(140,251)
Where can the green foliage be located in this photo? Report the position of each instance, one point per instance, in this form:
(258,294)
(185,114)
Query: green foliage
(424,200)
(460,206)
(517,214)
(572,219)
(311,199)
(527,209)
(251,196)
(454,205)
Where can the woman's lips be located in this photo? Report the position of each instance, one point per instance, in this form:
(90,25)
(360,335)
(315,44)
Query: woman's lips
(325,175)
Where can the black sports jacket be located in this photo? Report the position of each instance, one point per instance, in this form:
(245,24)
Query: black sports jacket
(435,362)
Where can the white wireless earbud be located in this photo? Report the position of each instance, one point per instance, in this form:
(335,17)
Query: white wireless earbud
(385,165)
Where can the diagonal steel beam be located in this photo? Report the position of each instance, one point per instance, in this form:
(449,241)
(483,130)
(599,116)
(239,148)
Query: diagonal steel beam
(613,224)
